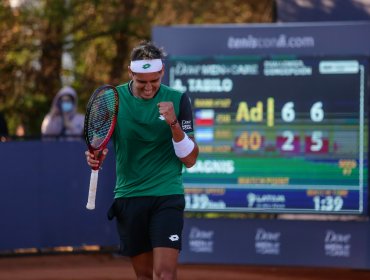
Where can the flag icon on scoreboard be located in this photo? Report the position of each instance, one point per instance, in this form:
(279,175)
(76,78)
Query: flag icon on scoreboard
(204,134)
(204,117)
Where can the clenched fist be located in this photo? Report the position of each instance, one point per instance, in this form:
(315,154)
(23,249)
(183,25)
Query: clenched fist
(167,111)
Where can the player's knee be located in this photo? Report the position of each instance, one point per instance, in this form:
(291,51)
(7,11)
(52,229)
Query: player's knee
(145,276)
(162,273)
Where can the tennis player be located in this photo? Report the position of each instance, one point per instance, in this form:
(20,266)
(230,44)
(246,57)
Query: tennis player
(153,139)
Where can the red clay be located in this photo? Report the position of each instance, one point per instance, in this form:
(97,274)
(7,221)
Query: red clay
(109,267)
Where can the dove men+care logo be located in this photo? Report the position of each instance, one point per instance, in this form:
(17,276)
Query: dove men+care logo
(337,244)
(201,241)
(267,242)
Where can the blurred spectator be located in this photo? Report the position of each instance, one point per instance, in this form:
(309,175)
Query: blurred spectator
(3,128)
(20,131)
(63,119)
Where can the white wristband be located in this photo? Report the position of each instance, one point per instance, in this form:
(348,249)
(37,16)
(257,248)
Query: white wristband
(184,147)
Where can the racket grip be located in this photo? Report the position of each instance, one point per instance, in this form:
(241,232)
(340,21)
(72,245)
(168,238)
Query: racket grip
(92,189)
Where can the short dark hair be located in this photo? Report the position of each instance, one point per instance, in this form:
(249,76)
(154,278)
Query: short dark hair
(147,50)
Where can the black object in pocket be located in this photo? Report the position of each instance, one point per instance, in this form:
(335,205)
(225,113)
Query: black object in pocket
(111,211)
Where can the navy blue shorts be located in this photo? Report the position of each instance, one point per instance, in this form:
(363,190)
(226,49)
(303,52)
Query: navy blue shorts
(147,222)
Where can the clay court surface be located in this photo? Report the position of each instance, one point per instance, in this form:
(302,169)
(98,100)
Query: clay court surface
(109,267)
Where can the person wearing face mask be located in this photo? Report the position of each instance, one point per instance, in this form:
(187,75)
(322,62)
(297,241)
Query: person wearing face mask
(63,119)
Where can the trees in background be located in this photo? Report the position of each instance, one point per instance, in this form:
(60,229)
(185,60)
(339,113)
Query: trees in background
(85,43)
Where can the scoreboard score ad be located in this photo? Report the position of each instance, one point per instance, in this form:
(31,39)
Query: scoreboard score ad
(276,134)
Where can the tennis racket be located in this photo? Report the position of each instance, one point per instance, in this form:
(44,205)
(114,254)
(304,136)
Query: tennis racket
(100,120)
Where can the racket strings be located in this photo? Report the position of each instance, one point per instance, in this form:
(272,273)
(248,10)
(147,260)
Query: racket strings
(101,117)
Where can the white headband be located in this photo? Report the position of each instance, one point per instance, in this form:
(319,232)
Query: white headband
(146,66)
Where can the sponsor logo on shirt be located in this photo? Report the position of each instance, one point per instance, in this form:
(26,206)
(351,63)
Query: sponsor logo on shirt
(186,125)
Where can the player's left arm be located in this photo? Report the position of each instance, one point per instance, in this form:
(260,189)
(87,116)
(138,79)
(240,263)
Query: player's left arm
(185,124)
(182,129)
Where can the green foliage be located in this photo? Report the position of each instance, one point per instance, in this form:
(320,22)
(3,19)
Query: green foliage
(97,35)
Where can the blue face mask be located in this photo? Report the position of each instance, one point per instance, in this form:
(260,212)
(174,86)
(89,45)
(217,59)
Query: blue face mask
(67,106)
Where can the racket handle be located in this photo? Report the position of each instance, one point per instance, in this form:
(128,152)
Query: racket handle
(92,189)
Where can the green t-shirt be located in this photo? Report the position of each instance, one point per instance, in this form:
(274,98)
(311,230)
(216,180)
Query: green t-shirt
(146,164)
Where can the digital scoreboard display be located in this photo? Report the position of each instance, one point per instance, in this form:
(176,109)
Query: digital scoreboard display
(276,134)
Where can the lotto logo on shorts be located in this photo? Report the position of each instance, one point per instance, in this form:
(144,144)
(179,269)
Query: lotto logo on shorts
(174,237)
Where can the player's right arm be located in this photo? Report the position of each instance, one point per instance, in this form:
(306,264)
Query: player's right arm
(92,160)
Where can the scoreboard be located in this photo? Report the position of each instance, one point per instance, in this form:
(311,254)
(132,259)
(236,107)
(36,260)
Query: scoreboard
(277,134)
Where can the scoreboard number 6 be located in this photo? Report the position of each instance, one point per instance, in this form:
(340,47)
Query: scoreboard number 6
(287,112)
(316,112)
